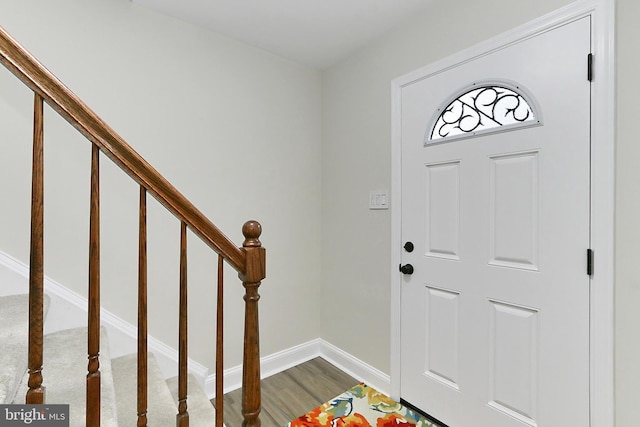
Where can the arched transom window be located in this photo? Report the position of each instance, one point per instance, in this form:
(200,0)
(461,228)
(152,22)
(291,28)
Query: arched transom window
(483,108)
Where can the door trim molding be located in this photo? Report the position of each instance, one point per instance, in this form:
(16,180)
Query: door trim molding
(602,13)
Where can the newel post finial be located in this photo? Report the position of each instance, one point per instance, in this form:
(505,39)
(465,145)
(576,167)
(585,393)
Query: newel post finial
(251,230)
(254,272)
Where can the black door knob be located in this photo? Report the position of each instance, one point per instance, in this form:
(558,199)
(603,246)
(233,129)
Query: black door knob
(408,246)
(406,269)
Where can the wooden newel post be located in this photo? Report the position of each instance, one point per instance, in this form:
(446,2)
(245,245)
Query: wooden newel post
(255,271)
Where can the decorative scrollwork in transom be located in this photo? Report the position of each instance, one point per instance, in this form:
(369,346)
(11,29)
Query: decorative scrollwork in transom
(482,108)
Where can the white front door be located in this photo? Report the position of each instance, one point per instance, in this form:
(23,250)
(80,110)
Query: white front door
(495,317)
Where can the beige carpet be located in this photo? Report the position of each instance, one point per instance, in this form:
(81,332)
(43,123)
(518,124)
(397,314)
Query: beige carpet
(14,332)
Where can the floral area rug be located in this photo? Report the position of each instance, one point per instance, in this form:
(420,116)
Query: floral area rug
(361,406)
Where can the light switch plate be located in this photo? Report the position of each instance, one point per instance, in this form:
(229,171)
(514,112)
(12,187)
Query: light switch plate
(378,200)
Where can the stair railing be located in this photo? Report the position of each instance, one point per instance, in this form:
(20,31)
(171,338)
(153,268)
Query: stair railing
(249,260)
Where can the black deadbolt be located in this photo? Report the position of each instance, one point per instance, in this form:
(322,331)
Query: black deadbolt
(408,247)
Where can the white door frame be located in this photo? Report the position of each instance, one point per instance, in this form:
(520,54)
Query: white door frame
(602,13)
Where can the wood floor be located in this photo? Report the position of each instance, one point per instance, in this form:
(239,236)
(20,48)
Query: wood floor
(291,393)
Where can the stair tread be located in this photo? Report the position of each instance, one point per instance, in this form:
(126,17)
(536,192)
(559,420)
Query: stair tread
(65,371)
(14,318)
(161,409)
(201,411)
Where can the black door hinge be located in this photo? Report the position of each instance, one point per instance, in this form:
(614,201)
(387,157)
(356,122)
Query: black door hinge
(590,262)
(590,67)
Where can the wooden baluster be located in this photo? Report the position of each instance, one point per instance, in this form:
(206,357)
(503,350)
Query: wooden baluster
(254,273)
(142,311)
(219,345)
(182,418)
(35,394)
(93,376)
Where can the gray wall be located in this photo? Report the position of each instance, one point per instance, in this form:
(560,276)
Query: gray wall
(627,234)
(220,119)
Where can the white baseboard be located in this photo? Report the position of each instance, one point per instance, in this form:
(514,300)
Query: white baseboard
(269,365)
(356,368)
(278,362)
(68,309)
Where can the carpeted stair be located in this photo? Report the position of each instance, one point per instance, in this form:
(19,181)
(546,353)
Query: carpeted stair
(201,411)
(65,370)
(160,403)
(14,323)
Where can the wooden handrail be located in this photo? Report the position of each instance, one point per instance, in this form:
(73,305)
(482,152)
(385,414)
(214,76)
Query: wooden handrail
(21,63)
(248,261)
